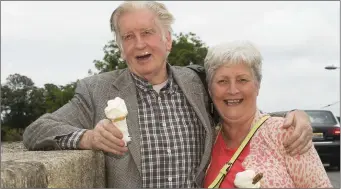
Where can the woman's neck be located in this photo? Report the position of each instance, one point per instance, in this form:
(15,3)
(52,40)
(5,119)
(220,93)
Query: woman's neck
(234,132)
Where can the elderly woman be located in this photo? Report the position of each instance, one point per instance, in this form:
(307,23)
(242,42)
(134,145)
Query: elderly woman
(234,77)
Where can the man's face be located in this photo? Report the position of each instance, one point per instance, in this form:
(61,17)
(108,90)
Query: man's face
(144,49)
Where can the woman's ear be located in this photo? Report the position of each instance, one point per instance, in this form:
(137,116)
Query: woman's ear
(258,87)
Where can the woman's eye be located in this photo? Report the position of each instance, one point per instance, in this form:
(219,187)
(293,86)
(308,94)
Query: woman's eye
(243,80)
(222,81)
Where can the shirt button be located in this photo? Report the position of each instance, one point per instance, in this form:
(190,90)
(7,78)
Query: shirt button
(169,179)
(169,150)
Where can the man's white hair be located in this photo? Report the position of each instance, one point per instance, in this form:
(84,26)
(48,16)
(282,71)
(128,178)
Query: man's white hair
(165,18)
(235,52)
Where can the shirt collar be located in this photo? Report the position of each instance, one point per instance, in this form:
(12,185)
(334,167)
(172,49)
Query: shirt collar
(145,86)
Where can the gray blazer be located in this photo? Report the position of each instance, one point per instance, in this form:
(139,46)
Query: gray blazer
(86,109)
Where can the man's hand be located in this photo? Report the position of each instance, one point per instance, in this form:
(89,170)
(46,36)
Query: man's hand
(105,136)
(301,139)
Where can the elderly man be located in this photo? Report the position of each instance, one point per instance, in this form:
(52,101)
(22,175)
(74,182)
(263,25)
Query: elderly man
(171,130)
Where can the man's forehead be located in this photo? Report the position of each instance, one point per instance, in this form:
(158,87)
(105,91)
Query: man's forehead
(137,18)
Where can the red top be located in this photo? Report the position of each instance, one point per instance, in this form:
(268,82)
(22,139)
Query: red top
(221,155)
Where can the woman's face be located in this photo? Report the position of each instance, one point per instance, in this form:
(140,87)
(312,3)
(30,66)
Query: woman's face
(234,91)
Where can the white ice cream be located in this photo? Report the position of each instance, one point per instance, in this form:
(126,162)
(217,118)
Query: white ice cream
(244,179)
(117,109)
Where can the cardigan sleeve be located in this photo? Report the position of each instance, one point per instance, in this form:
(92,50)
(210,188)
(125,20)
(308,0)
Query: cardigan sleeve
(306,170)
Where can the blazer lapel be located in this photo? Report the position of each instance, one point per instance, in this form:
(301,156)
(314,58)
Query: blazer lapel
(190,89)
(127,91)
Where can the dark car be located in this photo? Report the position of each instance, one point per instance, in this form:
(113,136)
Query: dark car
(326,135)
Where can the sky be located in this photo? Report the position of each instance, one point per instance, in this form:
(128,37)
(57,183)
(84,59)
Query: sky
(57,42)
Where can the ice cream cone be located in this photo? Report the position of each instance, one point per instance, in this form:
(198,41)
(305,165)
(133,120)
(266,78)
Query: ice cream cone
(118,119)
(116,111)
(247,179)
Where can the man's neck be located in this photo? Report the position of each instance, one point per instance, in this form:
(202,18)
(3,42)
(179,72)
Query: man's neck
(156,78)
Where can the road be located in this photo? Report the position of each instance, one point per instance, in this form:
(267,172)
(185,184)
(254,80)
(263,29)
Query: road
(334,176)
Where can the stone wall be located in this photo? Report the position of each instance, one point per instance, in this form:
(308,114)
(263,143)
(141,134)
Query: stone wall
(50,169)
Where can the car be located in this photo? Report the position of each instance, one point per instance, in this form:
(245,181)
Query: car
(326,135)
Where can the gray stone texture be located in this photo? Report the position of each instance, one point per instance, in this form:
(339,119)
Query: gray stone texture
(21,168)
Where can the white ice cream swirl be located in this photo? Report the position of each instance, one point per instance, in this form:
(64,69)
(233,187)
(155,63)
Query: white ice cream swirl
(117,111)
(244,179)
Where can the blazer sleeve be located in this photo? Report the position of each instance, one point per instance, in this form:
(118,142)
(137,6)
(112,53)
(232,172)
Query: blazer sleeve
(77,114)
(306,170)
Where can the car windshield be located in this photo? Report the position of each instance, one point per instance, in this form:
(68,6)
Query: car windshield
(321,117)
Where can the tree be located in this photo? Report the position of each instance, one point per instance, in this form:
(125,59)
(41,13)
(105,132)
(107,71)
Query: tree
(22,102)
(15,96)
(186,49)
(36,104)
(17,82)
(112,59)
(56,97)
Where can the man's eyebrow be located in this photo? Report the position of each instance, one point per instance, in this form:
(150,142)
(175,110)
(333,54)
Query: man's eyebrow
(147,29)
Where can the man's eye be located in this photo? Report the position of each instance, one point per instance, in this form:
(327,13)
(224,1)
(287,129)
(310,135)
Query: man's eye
(147,32)
(127,37)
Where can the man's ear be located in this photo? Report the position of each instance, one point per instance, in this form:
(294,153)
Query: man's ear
(122,56)
(169,41)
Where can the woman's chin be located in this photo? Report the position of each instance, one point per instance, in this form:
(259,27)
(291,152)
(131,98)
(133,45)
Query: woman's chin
(232,116)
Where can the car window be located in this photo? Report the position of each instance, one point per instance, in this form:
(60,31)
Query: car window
(321,117)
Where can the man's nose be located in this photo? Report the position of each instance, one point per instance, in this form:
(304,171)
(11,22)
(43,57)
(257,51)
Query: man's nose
(140,43)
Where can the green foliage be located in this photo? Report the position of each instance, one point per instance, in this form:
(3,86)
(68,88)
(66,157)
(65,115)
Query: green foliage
(22,102)
(17,82)
(111,60)
(15,100)
(56,97)
(186,49)
(9,134)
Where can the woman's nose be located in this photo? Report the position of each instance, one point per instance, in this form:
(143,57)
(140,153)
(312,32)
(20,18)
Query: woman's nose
(232,89)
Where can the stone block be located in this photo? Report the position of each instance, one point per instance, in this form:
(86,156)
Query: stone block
(21,168)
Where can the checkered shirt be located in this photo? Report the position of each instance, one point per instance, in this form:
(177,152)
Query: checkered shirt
(172,137)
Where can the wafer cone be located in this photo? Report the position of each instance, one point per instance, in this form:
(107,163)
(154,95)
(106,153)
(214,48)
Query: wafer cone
(121,124)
